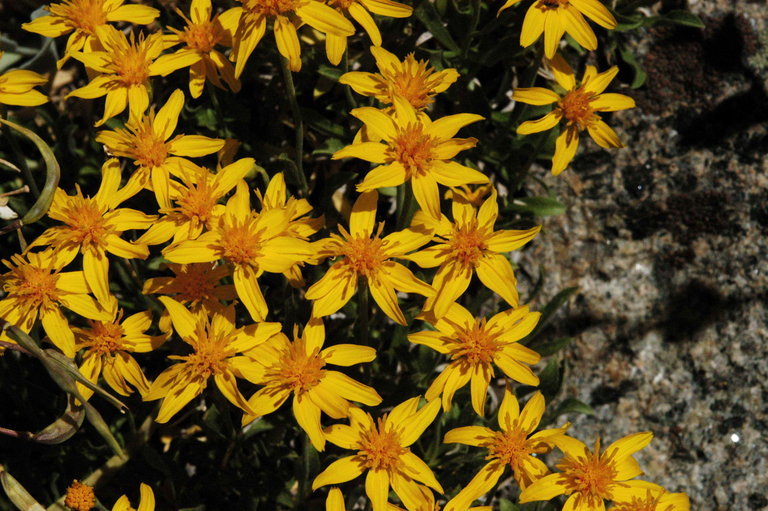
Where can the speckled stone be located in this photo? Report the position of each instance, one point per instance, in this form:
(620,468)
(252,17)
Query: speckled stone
(666,240)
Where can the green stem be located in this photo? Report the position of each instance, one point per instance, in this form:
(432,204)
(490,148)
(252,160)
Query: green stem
(476,11)
(362,313)
(298,120)
(406,204)
(347,89)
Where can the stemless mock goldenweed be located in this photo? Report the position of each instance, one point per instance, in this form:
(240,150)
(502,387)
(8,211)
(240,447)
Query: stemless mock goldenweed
(589,478)
(299,368)
(92,227)
(363,254)
(411,79)
(215,343)
(554,18)
(414,149)
(36,288)
(516,446)
(146,501)
(108,346)
(17,87)
(470,245)
(252,242)
(475,346)
(146,139)
(200,37)
(577,108)
(383,451)
(82,17)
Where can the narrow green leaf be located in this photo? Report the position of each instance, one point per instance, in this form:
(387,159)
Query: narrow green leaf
(507,505)
(17,494)
(572,405)
(684,18)
(630,58)
(63,428)
(539,206)
(52,173)
(429,16)
(550,348)
(549,310)
(627,23)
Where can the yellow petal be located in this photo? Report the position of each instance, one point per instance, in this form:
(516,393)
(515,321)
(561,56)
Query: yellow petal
(376,120)
(596,84)
(386,299)
(184,322)
(562,72)
(377,488)
(138,14)
(195,146)
(340,471)
(351,389)
(342,435)
(508,240)
(446,127)
(451,173)
(146,496)
(308,417)
(403,279)
(565,149)
(348,354)
(628,445)
(535,96)
(509,410)
(546,488)
(96,271)
(363,217)
(596,11)
(325,19)
(515,370)
(420,471)
(532,413)
(533,24)
(335,501)
(547,122)
(481,378)
(288,42)
(427,195)
(177,399)
(58,330)
(578,28)
(168,116)
(604,135)
(475,436)
(365,84)
(360,15)
(450,282)
(481,484)
(611,102)
(249,292)
(553,32)
(388,8)
(383,176)
(412,428)
(373,152)
(495,272)
(335,46)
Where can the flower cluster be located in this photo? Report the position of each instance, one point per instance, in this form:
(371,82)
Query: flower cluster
(220,249)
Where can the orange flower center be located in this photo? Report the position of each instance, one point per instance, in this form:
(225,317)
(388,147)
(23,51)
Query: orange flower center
(197,202)
(148,148)
(476,345)
(131,64)
(240,242)
(80,497)
(410,82)
(271,7)
(105,338)
(649,503)
(193,283)
(413,149)
(33,286)
(467,244)
(84,15)
(296,370)
(380,448)
(85,218)
(590,476)
(576,109)
(511,447)
(363,255)
(202,37)
(211,351)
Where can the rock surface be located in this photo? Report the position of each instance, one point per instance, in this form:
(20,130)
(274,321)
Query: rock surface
(666,240)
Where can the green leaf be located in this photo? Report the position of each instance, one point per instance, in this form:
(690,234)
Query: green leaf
(552,347)
(684,18)
(17,494)
(549,310)
(551,379)
(330,72)
(506,505)
(632,22)
(63,428)
(572,405)
(52,172)
(630,58)
(539,206)
(428,15)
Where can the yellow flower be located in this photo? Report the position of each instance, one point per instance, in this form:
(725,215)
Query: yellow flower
(335,502)
(411,79)
(252,243)
(197,203)
(82,17)
(336,45)
(300,226)
(92,227)
(287,15)
(17,87)
(555,17)
(124,68)
(414,149)
(147,140)
(383,451)
(515,446)
(299,368)
(466,246)
(195,285)
(80,497)
(200,37)
(363,254)
(589,477)
(578,107)
(109,344)
(474,346)
(36,287)
(146,501)
(467,195)
(654,500)
(215,342)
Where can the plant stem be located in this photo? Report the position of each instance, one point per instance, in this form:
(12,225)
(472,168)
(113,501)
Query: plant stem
(406,204)
(362,313)
(347,89)
(298,121)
